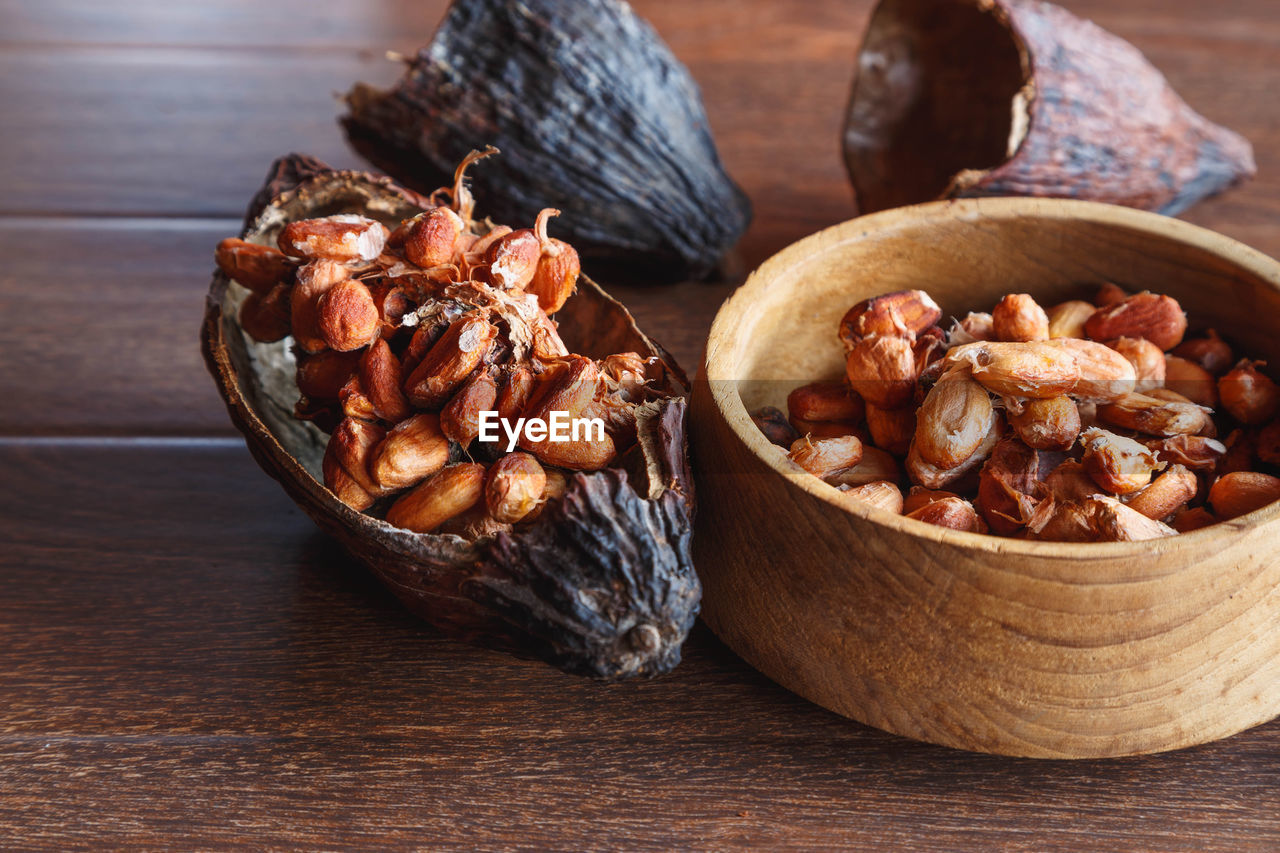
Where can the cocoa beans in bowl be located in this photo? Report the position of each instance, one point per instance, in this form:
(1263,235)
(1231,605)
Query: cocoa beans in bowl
(996,644)
(581,560)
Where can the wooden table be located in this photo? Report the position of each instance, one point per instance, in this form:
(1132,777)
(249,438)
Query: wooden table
(185,661)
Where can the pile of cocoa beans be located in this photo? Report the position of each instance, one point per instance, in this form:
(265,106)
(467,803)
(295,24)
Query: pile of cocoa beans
(1084,422)
(406,337)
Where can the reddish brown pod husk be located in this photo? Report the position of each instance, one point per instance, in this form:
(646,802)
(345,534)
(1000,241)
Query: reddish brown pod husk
(970,98)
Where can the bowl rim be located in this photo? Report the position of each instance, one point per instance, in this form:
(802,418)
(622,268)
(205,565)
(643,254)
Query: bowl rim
(716,367)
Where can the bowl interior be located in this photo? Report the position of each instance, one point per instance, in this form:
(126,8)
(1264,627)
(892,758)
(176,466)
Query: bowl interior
(780,329)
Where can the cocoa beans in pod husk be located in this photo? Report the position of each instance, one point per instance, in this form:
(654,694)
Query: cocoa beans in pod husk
(969,98)
(585,562)
(594,115)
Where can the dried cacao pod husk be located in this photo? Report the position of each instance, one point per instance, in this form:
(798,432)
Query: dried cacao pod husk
(970,98)
(593,114)
(601,584)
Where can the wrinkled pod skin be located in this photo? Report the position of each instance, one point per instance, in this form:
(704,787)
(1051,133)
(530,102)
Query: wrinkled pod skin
(600,585)
(975,98)
(622,147)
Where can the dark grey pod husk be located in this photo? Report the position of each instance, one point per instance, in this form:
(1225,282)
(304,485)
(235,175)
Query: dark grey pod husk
(601,584)
(593,114)
(972,98)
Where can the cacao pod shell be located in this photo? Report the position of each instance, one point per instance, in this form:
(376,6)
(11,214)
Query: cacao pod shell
(593,115)
(970,98)
(600,585)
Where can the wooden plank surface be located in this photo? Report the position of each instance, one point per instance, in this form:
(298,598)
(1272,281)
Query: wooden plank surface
(283,25)
(185,661)
(144,127)
(104,341)
(186,658)
(119,132)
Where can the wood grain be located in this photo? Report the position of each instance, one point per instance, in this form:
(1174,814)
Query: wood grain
(1040,649)
(280,26)
(100,319)
(188,661)
(85,138)
(112,132)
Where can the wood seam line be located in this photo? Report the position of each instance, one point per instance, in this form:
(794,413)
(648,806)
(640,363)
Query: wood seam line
(121,441)
(126,220)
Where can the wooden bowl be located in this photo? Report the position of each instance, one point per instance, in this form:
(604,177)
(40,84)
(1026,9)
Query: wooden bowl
(982,643)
